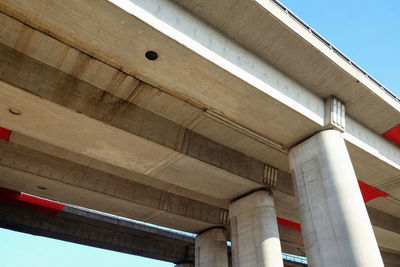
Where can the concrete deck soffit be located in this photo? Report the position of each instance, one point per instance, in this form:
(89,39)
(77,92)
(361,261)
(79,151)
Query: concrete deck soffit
(222,76)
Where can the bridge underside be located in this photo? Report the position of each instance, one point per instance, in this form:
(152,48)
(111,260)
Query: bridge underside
(87,227)
(172,141)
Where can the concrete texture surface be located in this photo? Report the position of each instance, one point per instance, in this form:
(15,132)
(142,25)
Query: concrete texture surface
(211,249)
(88,228)
(335,223)
(174,141)
(254,231)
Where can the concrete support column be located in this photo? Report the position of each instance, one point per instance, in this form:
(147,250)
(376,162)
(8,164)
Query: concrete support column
(211,249)
(335,224)
(254,231)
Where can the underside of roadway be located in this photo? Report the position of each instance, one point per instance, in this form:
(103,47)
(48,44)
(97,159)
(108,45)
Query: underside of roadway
(173,141)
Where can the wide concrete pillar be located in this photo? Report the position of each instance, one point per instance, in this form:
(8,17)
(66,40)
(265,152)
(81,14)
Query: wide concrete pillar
(254,231)
(335,224)
(211,249)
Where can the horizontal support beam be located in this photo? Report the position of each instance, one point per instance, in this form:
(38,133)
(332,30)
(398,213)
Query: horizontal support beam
(124,85)
(88,227)
(150,168)
(162,21)
(25,170)
(300,52)
(383,220)
(149,132)
(38,173)
(28,170)
(182,111)
(221,74)
(181,26)
(92,229)
(390,259)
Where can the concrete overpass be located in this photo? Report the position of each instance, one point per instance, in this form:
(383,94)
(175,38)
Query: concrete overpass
(33,215)
(237,87)
(87,227)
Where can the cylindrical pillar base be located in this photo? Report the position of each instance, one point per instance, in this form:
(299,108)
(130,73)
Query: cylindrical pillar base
(254,231)
(211,249)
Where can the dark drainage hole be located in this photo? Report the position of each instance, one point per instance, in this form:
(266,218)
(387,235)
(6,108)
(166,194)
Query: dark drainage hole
(151,55)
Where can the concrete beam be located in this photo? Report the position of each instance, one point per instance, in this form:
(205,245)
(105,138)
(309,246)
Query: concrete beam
(26,164)
(190,114)
(98,230)
(358,134)
(390,259)
(185,28)
(87,227)
(383,220)
(236,74)
(300,53)
(291,240)
(150,132)
(97,47)
(200,146)
(28,171)
(209,43)
(24,169)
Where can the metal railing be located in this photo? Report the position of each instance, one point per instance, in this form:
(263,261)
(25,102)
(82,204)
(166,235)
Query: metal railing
(148,226)
(334,49)
(294,258)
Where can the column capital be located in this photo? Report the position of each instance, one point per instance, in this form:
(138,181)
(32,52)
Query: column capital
(251,192)
(258,198)
(335,116)
(214,229)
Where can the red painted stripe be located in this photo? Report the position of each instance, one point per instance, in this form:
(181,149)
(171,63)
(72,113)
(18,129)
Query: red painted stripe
(31,202)
(288,223)
(393,134)
(5,134)
(41,202)
(369,192)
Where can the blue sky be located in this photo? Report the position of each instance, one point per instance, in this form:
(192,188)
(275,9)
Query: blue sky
(367,31)
(19,250)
